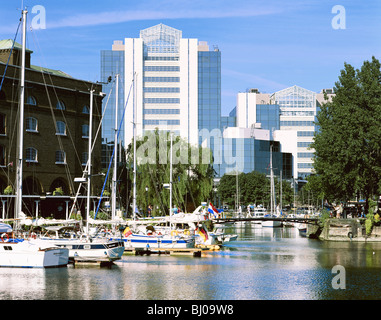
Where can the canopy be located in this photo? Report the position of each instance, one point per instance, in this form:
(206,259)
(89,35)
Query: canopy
(5,227)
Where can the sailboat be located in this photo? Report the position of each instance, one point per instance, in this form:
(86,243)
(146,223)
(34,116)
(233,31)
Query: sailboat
(272,223)
(16,252)
(83,246)
(145,238)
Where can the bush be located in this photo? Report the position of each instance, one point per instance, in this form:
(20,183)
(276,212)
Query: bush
(369,224)
(8,190)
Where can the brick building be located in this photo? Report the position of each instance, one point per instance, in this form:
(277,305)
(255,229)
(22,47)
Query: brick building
(55,136)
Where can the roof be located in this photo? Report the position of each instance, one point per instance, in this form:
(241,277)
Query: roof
(8,44)
(51,71)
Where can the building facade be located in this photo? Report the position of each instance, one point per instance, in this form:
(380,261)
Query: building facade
(169,83)
(56,133)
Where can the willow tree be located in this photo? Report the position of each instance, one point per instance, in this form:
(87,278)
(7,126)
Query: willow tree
(348,143)
(192,172)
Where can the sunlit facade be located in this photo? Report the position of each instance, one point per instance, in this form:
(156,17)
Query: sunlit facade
(298,108)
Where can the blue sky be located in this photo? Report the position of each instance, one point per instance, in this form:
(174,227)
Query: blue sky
(269,45)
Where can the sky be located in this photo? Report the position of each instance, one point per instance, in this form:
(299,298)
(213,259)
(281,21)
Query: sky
(265,44)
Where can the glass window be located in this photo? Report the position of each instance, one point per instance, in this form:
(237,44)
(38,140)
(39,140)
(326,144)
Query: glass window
(86,110)
(31,100)
(2,156)
(60,105)
(85,158)
(31,154)
(2,123)
(61,128)
(60,157)
(31,124)
(85,131)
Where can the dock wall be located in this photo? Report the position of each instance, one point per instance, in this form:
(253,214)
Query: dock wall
(348,230)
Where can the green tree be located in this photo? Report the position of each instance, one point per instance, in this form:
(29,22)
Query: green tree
(192,176)
(348,143)
(253,187)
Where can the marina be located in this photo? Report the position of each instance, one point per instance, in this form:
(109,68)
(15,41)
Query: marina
(263,263)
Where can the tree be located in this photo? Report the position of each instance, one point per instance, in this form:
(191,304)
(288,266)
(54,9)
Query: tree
(192,177)
(253,187)
(348,143)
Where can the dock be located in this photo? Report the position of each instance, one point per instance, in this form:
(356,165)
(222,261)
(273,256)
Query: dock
(195,252)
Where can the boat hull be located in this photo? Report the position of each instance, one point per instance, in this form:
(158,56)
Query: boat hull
(91,251)
(145,241)
(30,255)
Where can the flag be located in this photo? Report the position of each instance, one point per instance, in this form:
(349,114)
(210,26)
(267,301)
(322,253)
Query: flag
(213,210)
(127,232)
(202,232)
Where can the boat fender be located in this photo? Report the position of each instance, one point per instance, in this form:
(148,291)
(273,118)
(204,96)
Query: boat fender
(186,232)
(350,235)
(4,237)
(174,233)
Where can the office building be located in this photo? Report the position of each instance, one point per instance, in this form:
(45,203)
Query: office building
(177,84)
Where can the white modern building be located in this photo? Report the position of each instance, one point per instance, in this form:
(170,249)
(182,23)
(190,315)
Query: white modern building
(170,83)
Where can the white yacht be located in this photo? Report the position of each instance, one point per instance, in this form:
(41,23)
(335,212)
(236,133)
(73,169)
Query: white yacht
(23,253)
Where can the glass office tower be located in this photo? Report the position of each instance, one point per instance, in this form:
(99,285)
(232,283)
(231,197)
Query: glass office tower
(112,63)
(298,112)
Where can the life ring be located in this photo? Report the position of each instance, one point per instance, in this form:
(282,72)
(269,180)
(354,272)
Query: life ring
(174,233)
(186,232)
(33,235)
(4,235)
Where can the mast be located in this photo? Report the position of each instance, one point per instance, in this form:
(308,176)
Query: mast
(89,161)
(114,175)
(170,179)
(272,186)
(134,137)
(18,207)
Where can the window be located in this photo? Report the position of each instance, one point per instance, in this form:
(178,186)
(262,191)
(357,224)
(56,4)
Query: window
(2,156)
(161,122)
(60,105)
(31,100)
(86,110)
(161,68)
(31,154)
(161,79)
(162,100)
(31,124)
(85,131)
(161,111)
(61,128)
(2,124)
(85,158)
(60,157)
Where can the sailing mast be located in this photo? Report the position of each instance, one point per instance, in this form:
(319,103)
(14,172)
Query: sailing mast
(134,137)
(89,161)
(18,207)
(272,185)
(114,176)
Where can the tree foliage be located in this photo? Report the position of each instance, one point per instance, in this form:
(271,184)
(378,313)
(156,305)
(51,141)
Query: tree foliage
(253,188)
(348,144)
(192,176)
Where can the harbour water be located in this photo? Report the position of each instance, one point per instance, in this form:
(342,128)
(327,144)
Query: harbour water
(263,264)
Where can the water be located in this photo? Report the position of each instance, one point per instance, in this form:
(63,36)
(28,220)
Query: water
(264,264)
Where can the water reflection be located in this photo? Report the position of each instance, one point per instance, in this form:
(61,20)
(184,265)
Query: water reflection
(263,263)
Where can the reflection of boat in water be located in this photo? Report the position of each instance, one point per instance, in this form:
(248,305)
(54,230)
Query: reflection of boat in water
(302,229)
(271,223)
(29,253)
